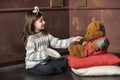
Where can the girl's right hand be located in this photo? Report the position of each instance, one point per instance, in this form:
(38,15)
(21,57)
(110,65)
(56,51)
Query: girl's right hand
(77,38)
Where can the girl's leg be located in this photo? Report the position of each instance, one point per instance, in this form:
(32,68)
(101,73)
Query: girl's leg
(53,66)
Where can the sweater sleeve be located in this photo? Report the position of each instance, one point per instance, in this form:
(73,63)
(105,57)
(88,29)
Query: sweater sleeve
(31,52)
(59,43)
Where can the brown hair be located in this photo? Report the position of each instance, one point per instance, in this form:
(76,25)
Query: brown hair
(29,28)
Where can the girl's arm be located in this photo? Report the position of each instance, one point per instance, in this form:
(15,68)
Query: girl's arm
(62,43)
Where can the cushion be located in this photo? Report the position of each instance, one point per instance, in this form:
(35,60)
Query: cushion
(97,71)
(96,60)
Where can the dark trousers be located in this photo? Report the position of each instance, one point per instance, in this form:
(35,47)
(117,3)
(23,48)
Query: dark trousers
(53,66)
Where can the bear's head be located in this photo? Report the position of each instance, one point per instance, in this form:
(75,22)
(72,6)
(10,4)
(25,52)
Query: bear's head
(94,30)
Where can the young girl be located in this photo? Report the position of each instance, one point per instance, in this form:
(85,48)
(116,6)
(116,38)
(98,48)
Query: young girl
(36,38)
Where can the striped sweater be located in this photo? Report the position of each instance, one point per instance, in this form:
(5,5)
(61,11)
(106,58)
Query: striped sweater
(35,48)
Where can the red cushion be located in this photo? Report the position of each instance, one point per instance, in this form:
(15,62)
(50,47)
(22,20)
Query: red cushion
(96,60)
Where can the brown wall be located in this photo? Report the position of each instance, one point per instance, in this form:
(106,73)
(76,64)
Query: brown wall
(71,19)
(12,14)
(107,11)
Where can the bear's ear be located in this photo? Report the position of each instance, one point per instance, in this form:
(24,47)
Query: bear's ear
(96,23)
(93,20)
(102,29)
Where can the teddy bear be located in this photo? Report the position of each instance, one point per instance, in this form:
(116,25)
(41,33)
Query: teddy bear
(94,42)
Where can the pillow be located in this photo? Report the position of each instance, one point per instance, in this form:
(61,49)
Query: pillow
(96,60)
(97,71)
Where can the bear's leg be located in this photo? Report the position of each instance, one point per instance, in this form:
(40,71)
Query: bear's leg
(80,51)
(71,50)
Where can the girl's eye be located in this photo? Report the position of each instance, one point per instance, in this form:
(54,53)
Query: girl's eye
(40,20)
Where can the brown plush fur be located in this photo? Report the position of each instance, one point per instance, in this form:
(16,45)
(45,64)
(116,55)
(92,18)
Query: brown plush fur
(94,30)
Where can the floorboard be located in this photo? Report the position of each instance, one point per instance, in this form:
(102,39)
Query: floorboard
(18,72)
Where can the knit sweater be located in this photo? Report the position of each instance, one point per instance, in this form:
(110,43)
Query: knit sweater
(35,53)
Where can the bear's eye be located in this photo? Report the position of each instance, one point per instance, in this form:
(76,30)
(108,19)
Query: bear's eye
(88,32)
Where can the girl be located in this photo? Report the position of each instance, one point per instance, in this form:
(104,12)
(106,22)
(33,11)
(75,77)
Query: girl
(36,38)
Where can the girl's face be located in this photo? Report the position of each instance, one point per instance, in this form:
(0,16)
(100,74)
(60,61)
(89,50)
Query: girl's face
(39,24)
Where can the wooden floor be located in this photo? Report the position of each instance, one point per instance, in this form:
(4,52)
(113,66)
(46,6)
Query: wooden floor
(17,72)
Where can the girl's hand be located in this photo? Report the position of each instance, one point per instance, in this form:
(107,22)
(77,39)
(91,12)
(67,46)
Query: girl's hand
(77,38)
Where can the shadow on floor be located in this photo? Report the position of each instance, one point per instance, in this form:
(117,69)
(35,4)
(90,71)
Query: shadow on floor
(18,72)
